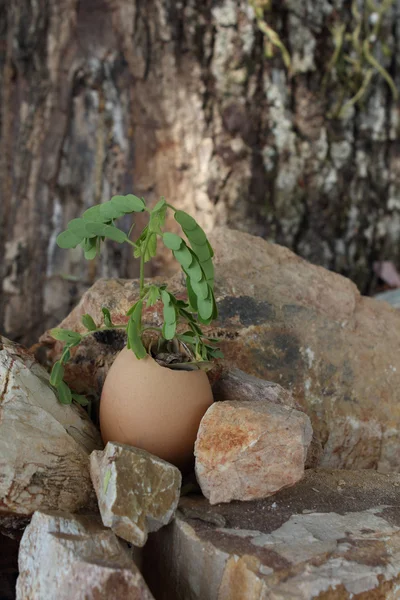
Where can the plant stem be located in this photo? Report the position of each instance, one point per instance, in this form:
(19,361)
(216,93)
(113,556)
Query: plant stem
(105,328)
(142,257)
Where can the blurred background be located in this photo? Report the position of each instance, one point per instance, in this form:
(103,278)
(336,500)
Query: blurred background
(276,117)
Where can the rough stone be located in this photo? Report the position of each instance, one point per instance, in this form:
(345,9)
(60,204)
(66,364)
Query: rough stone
(137,492)
(285,320)
(44,446)
(249,450)
(234,384)
(333,536)
(63,556)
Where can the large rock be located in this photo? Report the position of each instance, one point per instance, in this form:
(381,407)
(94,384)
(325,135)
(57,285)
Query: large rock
(334,536)
(249,450)
(137,492)
(44,446)
(66,557)
(285,320)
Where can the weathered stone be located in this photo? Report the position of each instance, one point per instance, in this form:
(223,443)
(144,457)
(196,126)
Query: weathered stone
(137,492)
(333,536)
(64,556)
(249,450)
(44,446)
(285,320)
(234,384)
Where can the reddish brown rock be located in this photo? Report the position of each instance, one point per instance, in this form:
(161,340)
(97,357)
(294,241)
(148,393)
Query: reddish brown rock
(249,450)
(299,325)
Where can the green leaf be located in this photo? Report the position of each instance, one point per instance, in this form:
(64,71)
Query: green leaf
(183,256)
(153,295)
(132,308)
(185,221)
(195,271)
(214,352)
(157,218)
(169,310)
(66,335)
(107,317)
(196,236)
(108,231)
(200,288)
(187,337)
(191,295)
(202,252)
(160,205)
(205,307)
(170,316)
(186,314)
(93,214)
(88,322)
(68,239)
(208,269)
(128,203)
(57,374)
(134,331)
(215,309)
(90,248)
(110,211)
(78,228)
(196,328)
(169,330)
(151,248)
(64,393)
(172,241)
(210,249)
(66,355)
(80,399)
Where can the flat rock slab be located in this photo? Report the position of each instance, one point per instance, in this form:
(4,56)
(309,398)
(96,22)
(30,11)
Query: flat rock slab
(283,320)
(248,450)
(65,557)
(44,446)
(333,536)
(137,492)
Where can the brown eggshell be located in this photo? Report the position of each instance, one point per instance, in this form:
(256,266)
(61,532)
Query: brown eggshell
(153,407)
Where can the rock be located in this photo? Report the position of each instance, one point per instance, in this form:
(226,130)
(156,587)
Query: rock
(249,450)
(335,535)
(44,446)
(66,556)
(137,492)
(234,384)
(285,320)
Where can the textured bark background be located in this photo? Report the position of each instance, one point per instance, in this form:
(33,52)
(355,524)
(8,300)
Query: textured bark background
(177,98)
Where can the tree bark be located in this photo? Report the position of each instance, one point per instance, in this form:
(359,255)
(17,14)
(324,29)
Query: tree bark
(179,99)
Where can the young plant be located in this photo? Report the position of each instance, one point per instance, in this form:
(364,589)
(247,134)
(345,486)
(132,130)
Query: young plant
(196,260)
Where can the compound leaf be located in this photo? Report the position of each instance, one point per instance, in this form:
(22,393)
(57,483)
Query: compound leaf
(57,374)
(88,322)
(172,241)
(68,239)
